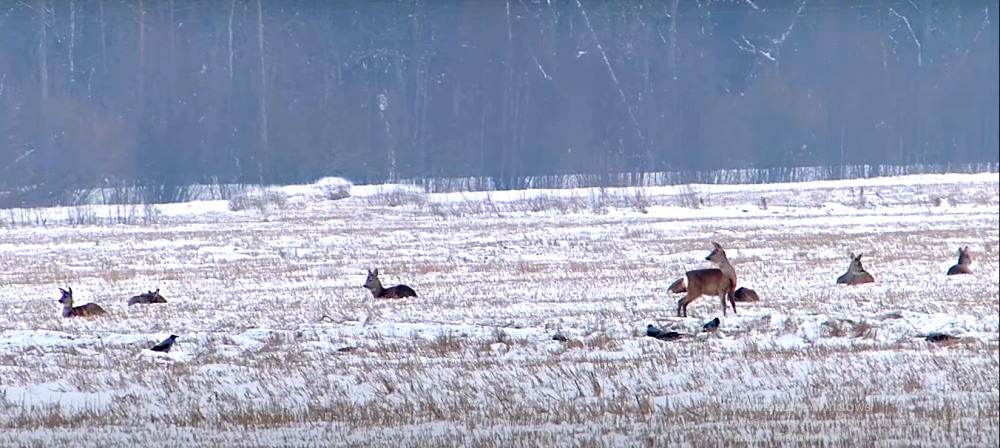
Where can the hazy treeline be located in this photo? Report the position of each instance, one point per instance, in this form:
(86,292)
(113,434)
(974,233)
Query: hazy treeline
(169,92)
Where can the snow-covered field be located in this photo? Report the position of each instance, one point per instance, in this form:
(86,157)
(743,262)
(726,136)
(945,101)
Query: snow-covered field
(281,346)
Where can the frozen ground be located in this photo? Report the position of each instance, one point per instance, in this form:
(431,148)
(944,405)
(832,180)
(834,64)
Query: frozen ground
(281,346)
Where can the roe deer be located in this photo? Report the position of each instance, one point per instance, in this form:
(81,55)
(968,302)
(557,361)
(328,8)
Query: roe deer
(719,281)
(746,295)
(90,309)
(964,261)
(147,297)
(374,285)
(856,273)
(742,294)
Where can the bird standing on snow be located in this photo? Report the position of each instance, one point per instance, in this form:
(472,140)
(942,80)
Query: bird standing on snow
(711,326)
(165,345)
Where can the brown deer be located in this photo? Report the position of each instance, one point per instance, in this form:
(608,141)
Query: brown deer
(147,297)
(964,261)
(374,285)
(719,281)
(741,294)
(856,273)
(90,309)
(746,295)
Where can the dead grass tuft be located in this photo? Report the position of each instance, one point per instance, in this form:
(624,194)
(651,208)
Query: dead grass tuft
(260,201)
(397,198)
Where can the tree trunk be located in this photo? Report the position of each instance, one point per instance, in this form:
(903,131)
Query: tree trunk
(172,58)
(72,43)
(43,79)
(141,91)
(104,41)
(263,91)
(232,10)
(673,115)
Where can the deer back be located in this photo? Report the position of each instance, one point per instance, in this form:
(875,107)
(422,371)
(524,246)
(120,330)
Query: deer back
(90,309)
(746,295)
(710,281)
(398,292)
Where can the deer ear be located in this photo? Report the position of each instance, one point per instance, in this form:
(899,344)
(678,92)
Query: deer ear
(716,245)
(375,272)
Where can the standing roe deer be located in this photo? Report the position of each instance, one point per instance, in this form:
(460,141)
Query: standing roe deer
(964,261)
(90,309)
(147,297)
(374,285)
(856,273)
(742,294)
(719,281)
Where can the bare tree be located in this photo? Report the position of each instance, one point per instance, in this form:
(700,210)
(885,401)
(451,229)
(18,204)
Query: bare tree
(264,164)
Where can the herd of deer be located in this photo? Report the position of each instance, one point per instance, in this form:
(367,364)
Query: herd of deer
(720,282)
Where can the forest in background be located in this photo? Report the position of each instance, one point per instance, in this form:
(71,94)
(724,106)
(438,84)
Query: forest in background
(166,93)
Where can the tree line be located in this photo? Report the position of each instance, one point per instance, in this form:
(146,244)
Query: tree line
(165,93)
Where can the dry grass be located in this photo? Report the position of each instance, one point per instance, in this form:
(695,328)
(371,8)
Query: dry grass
(290,349)
(260,201)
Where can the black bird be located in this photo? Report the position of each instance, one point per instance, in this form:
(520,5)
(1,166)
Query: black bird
(559,337)
(940,337)
(652,331)
(165,345)
(668,336)
(712,325)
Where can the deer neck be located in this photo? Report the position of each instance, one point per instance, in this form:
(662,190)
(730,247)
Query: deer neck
(67,309)
(377,288)
(727,269)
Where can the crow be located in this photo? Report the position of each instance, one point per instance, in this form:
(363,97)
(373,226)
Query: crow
(652,331)
(668,336)
(940,337)
(712,325)
(165,345)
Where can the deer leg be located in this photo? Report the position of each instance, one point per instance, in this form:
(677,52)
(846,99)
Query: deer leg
(732,301)
(682,304)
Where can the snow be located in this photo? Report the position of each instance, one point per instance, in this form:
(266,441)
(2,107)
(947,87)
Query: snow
(279,343)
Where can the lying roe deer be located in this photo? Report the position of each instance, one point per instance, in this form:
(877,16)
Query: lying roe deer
(964,262)
(856,273)
(374,285)
(719,281)
(147,297)
(90,309)
(746,295)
